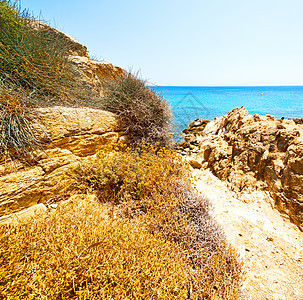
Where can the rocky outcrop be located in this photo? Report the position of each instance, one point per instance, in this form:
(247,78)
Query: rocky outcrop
(75,48)
(253,152)
(91,72)
(77,134)
(80,130)
(94,74)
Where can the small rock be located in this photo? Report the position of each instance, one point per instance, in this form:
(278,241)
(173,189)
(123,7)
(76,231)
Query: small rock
(270,117)
(195,164)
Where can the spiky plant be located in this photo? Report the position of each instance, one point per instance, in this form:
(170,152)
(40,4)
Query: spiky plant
(145,115)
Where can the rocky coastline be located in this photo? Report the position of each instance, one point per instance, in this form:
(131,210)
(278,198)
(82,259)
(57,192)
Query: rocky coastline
(252,152)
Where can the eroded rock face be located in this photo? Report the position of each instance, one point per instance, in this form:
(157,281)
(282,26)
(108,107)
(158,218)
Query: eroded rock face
(95,73)
(79,130)
(252,151)
(77,134)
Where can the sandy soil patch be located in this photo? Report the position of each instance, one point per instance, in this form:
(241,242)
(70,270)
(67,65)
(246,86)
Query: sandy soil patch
(269,244)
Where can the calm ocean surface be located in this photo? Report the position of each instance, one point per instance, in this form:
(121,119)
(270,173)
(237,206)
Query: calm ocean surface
(190,103)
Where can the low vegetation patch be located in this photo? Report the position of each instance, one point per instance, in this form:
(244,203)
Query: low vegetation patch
(79,253)
(149,236)
(20,133)
(33,60)
(35,71)
(153,187)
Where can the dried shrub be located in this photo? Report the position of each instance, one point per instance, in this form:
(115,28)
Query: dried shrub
(152,237)
(144,114)
(120,173)
(20,132)
(153,187)
(218,277)
(77,252)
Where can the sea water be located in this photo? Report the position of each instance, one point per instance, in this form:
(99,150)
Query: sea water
(189,103)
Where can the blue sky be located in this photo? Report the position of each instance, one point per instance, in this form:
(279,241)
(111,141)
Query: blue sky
(203,43)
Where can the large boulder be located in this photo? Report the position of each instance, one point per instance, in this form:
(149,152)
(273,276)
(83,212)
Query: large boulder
(77,134)
(254,152)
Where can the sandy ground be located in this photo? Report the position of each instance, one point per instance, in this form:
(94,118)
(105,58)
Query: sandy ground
(270,246)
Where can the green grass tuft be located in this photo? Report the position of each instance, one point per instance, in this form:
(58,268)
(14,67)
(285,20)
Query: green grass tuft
(35,71)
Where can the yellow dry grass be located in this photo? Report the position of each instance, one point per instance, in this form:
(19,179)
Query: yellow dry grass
(77,252)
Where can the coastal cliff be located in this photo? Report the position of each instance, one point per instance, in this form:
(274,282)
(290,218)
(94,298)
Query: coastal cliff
(252,152)
(68,134)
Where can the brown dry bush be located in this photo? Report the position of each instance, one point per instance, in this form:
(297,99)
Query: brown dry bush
(152,238)
(77,252)
(144,114)
(153,187)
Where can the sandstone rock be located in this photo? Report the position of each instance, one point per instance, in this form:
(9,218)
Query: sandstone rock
(196,126)
(183,145)
(95,73)
(61,122)
(195,164)
(20,190)
(270,117)
(298,121)
(211,127)
(75,47)
(256,152)
(49,178)
(26,214)
(77,134)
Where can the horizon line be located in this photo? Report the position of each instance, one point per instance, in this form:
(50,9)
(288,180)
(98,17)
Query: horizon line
(275,85)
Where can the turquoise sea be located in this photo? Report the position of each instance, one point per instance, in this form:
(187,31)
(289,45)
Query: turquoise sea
(189,103)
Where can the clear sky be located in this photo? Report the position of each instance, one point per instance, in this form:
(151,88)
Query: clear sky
(193,42)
